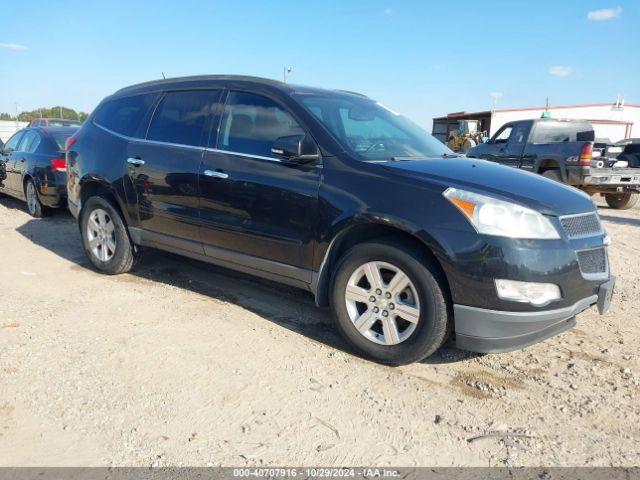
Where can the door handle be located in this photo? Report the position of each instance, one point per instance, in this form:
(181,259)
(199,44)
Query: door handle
(135,161)
(215,174)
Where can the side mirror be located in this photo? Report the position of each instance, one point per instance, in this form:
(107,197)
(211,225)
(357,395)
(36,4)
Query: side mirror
(296,149)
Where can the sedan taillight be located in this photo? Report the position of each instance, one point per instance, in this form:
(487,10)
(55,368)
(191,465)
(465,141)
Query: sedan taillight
(59,164)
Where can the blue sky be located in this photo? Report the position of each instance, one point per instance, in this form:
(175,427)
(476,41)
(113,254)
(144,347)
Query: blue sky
(422,58)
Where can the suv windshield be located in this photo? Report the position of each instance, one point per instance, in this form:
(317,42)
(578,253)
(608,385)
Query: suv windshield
(369,130)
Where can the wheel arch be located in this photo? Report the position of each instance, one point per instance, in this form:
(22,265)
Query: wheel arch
(552,163)
(360,232)
(92,186)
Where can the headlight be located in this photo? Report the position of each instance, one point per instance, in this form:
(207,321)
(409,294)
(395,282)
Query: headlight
(491,216)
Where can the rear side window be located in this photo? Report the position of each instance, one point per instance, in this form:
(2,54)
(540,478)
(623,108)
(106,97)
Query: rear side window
(29,142)
(183,117)
(555,132)
(126,115)
(251,124)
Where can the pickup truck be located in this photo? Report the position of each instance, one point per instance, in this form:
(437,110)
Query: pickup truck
(563,150)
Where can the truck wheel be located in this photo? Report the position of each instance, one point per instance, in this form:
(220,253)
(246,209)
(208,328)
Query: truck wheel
(105,237)
(389,302)
(553,174)
(622,201)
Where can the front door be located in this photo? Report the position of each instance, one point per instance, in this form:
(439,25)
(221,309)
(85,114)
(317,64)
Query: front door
(256,209)
(164,168)
(9,156)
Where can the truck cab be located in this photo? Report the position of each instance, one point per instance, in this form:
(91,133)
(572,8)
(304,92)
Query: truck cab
(563,150)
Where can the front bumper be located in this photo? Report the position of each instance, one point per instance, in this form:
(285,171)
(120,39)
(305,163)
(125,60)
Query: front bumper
(494,331)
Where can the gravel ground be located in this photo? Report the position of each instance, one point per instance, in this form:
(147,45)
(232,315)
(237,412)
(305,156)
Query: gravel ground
(182,363)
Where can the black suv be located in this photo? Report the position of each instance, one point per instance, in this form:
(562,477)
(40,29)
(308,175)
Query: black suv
(334,193)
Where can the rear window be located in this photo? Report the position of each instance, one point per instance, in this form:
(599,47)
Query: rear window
(61,138)
(554,132)
(125,115)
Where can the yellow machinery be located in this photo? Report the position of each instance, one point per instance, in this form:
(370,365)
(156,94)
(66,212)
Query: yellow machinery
(466,136)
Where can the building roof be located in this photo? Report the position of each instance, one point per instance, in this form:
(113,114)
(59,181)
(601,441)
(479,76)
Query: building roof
(558,107)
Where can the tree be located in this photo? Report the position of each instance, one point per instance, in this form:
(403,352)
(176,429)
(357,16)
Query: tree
(53,112)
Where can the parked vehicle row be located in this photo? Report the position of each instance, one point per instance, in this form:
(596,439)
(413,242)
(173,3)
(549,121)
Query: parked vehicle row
(563,150)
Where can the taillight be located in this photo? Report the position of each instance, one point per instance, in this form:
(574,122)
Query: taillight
(69,143)
(586,154)
(59,164)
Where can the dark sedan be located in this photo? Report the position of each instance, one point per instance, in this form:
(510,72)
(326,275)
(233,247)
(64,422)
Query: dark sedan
(34,167)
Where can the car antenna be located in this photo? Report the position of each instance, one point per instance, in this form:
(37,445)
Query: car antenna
(163,77)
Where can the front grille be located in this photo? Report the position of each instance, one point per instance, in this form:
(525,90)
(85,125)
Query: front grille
(584,225)
(593,261)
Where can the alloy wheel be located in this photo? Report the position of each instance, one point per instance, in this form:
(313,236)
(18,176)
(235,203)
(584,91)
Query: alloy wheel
(101,235)
(382,302)
(32,198)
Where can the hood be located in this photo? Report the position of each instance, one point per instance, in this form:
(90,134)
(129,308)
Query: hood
(532,190)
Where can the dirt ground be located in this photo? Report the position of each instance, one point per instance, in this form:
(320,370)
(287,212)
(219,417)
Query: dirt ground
(182,363)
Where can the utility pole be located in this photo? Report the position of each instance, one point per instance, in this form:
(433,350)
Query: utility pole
(287,71)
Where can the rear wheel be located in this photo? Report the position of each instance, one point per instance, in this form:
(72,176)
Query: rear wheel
(34,206)
(389,302)
(105,238)
(622,201)
(553,174)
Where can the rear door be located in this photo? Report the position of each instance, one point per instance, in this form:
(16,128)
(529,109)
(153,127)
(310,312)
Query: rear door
(255,209)
(164,168)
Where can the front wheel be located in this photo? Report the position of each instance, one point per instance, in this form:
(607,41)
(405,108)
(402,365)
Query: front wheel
(622,201)
(389,302)
(105,238)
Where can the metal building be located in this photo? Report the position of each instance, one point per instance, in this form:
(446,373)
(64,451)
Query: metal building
(614,121)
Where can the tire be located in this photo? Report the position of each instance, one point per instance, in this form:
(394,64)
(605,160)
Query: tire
(553,174)
(105,238)
(622,201)
(34,206)
(426,293)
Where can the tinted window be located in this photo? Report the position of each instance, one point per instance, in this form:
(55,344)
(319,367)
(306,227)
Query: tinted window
(61,138)
(554,131)
(251,123)
(125,115)
(519,133)
(182,117)
(29,142)
(12,143)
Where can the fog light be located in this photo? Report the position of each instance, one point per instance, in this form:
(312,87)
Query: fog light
(538,294)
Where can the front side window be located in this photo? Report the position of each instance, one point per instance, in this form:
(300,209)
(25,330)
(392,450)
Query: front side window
(369,130)
(182,117)
(12,143)
(252,123)
(126,115)
(503,135)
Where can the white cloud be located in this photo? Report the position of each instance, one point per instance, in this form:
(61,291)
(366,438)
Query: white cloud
(604,14)
(13,47)
(388,11)
(560,71)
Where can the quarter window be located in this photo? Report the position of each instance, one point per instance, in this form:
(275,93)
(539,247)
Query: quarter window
(182,117)
(251,124)
(126,115)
